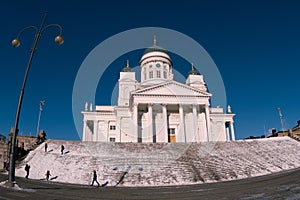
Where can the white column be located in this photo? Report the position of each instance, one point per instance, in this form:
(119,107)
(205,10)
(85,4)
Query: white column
(195,120)
(232,131)
(182,124)
(227,134)
(165,123)
(207,114)
(149,136)
(107,130)
(95,136)
(135,121)
(84,131)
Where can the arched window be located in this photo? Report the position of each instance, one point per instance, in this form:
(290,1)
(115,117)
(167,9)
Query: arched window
(151,74)
(165,74)
(158,74)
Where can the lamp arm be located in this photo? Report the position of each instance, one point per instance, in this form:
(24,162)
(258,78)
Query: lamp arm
(26,28)
(55,25)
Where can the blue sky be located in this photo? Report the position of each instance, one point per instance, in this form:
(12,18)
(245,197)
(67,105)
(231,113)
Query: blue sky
(255,45)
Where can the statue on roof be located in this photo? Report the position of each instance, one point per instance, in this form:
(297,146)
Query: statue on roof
(229,109)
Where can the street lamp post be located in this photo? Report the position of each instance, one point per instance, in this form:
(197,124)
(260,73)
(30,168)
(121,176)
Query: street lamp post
(42,103)
(16,43)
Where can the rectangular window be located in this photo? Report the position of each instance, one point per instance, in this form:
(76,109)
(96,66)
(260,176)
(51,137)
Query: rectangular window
(112,139)
(158,74)
(151,74)
(171,131)
(145,76)
(165,74)
(112,127)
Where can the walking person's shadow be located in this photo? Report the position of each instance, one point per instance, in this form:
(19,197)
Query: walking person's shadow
(53,178)
(50,179)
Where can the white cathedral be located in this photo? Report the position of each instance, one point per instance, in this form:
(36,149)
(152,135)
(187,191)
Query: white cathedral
(158,109)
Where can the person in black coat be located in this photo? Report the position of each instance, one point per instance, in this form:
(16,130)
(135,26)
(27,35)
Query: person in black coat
(27,168)
(62,149)
(95,178)
(48,175)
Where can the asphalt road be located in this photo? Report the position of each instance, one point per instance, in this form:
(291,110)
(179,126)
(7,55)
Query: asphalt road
(284,185)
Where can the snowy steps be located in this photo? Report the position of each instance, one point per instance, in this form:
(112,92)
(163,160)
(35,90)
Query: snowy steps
(144,164)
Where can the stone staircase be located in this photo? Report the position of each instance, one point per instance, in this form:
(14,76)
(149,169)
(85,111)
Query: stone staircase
(141,164)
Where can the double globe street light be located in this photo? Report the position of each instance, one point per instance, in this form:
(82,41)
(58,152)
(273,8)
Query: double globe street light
(16,43)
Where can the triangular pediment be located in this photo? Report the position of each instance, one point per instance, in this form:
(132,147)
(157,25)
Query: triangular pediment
(171,88)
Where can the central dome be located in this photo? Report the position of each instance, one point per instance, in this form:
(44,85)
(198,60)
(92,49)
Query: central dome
(155,48)
(156,52)
(156,65)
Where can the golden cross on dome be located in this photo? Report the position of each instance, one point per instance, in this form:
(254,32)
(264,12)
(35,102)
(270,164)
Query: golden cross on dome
(127,65)
(154,40)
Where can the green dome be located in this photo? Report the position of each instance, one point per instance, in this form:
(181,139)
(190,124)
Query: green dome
(155,48)
(127,68)
(193,71)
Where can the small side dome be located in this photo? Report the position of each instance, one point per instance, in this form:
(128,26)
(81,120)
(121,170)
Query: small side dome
(127,68)
(193,71)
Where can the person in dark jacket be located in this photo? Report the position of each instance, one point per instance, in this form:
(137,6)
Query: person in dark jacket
(62,148)
(46,147)
(95,178)
(47,175)
(27,168)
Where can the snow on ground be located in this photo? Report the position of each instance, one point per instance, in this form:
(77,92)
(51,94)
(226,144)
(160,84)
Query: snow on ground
(141,164)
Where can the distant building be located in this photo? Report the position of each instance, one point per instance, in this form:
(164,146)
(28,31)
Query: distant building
(24,142)
(158,109)
(296,129)
(3,151)
(2,138)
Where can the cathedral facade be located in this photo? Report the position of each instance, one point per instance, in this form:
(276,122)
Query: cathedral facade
(158,109)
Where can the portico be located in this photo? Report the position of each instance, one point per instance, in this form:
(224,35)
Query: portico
(167,122)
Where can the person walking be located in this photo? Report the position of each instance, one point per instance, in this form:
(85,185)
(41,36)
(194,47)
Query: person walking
(62,148)
(46,147)
(95,178)
(47,175)
(27,168)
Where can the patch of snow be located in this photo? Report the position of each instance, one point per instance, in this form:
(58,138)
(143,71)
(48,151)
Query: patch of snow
(16,187)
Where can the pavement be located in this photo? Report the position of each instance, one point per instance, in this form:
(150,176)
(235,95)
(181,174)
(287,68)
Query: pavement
(282,185)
